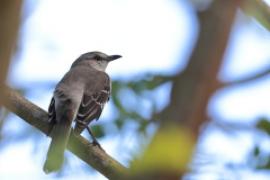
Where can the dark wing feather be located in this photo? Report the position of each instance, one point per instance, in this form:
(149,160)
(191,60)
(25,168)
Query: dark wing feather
(52,114)
(91,108)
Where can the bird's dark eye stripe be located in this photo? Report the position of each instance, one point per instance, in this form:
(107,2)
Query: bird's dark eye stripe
(98,58)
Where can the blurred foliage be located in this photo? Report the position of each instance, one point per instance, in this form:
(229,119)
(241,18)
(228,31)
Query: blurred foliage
(264,125)
(98,130)
(259,10)
(163,152)
(260,157)
(123,93)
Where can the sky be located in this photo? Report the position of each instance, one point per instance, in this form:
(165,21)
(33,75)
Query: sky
(152,36)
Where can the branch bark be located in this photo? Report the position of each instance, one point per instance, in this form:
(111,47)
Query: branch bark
(193,88)
(9,21)
(78,145)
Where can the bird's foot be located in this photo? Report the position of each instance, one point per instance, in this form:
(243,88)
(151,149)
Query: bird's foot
(96,143)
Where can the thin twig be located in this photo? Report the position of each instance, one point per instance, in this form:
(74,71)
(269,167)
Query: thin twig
(246,79)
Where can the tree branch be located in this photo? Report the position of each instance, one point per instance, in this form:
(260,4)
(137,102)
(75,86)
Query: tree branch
(247,79)
(9,21)
(78,145)
(195,85)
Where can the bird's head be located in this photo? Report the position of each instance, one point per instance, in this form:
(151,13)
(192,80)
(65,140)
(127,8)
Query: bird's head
(95,59)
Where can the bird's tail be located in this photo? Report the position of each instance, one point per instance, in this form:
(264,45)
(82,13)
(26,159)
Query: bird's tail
(55,156)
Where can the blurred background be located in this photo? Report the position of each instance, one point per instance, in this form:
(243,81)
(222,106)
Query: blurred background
(158,40)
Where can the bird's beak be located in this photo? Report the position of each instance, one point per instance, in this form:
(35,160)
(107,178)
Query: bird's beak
(113,57)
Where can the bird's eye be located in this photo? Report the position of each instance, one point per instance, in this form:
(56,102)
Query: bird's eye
(98,58)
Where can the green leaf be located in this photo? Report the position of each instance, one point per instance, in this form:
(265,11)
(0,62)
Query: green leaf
(119,123)
(98,131)
(256,151)
(264,125)
(259,10)
(171,149)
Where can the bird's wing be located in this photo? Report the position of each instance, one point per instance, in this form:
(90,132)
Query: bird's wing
(91,106)
(51,113)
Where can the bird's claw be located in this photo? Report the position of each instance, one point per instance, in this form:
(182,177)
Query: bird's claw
(96,143)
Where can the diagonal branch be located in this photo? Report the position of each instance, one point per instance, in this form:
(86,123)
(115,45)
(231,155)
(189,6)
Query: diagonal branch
(247,79)
(78,145)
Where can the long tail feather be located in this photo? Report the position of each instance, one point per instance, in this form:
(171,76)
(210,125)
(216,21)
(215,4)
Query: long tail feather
(55,156)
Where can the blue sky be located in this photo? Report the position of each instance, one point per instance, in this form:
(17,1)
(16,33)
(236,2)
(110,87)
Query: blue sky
(153,36)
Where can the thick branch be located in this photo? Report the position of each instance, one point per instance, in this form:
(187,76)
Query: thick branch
(78,145)
(247,79)
(193,88)
(9,22)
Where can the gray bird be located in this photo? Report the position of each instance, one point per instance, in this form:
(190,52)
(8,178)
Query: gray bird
(80,96)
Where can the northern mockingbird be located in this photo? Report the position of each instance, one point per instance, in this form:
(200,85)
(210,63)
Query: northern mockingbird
(80,96)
